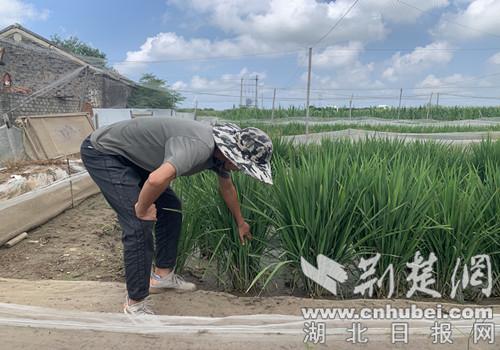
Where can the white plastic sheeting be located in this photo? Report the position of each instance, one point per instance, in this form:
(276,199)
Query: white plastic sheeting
(30,177)
(458,138)
(15,315)
(34,208)
(480,122)
(11,144)
(107,116)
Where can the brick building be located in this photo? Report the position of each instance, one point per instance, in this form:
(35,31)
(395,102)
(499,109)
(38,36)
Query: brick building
(38,77)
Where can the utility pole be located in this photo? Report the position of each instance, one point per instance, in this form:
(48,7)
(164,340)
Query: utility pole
(399,106)
(308,90)
(350,106)
(274,99)
(256,92)
(437,100)
(241,93)
(429,105)
(195,107)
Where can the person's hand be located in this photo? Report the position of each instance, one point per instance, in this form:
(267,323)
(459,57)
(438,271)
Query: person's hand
(146,215)
(244,232)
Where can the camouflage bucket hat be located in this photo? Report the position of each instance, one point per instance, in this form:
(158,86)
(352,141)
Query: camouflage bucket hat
(250,149)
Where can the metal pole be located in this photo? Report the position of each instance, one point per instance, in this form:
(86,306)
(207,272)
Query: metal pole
(429,106)
(350,106)
(241,93)
(274,99)
(256,91)
(70,183)
(195,107)
(308,90)
(400,96)
(437,104)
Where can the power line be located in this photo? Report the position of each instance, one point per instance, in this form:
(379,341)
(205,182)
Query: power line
(435,87)
(282,53)
(344,97)
(336,23)
(449,21)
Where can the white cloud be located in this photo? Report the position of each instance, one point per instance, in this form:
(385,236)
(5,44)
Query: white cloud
(18,11)
(476,20)
(495,59)
(433,82)
(170,46)
(306,18)
(221,91)
(179,85)
(223,84)
(393,11)
(130,68)
(334,56)
(458,84)
(418,60)
(262,26)
(357,76)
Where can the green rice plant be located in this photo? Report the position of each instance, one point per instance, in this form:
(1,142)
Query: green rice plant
(194,192)
(345,200)
(350,200)
(491,178)
(277,130)
(394,208)
(417,112)
(465,226)
(239,264)
(313,208)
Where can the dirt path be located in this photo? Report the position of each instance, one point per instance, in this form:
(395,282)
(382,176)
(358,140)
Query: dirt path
(38,339)
(68,325)
(108,296)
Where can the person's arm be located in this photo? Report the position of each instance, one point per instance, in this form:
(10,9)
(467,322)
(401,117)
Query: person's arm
(230,196)
(154,186)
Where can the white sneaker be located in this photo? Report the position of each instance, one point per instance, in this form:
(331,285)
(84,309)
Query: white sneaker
(159,284)
(141,308)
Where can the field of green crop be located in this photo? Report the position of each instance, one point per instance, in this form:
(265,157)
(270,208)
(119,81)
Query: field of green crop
(421,112)
(348,201)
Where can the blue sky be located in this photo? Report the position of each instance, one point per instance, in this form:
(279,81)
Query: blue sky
(204,47)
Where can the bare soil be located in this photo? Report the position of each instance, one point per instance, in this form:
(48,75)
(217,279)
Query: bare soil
(93,296)
(83,243)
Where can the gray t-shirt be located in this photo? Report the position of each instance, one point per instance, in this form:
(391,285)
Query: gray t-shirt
(149,142)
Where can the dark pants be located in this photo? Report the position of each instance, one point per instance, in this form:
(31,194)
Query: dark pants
(120,182)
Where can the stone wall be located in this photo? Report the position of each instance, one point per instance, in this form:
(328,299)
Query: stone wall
(33,67)
(37,105)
